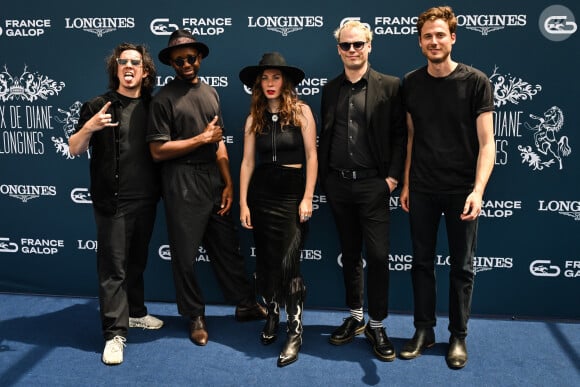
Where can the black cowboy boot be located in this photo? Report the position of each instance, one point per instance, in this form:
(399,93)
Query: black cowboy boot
(270,331)
(294,305)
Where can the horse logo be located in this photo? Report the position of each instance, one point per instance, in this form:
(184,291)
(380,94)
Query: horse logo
(546,140)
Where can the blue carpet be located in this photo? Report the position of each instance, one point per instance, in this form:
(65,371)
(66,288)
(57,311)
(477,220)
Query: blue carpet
(56,341)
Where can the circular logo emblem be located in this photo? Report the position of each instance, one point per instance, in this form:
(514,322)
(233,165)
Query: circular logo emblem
(557,23)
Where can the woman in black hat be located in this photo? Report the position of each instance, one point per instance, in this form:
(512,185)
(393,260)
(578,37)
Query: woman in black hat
(277,179)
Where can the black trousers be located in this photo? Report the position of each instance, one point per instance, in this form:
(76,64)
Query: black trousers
(425,215)
(192,198)
(123,247)
(274,195)
(361,213)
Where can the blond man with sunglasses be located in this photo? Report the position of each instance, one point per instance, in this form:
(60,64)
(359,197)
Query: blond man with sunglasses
(361,158)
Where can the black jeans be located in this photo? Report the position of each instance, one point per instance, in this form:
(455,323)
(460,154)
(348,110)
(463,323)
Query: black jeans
(192,198)
(425,215)
(362,215)
(123,248)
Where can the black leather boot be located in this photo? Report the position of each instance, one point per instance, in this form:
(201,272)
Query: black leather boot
(294,305)
(457,354)
(270,331)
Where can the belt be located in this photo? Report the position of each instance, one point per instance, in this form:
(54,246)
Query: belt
(191,165)
(354,174)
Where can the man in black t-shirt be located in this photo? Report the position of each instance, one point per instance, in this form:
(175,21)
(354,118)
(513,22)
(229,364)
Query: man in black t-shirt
(450,157)
(185,135)
(124,192)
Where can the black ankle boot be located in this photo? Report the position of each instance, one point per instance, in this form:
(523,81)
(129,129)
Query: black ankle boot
(270,331)
(457,354)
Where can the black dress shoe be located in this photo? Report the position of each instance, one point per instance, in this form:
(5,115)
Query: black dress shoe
(457,354)
(198,331)
(382,346)
(250,313)
(347,331)
(422,339)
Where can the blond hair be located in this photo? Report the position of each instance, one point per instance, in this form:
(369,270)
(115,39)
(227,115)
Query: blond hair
(354,24)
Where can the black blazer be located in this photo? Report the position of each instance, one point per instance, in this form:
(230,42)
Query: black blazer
(385,117)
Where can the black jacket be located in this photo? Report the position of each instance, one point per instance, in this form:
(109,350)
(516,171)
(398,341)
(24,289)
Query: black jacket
(105,155)
(385,117)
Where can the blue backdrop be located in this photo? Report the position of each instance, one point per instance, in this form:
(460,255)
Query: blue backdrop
(52,57)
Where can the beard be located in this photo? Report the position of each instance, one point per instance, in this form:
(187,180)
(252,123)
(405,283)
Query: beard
(187,76)
(436,59)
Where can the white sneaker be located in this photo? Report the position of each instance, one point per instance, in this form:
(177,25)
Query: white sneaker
(113,352)
(145,322)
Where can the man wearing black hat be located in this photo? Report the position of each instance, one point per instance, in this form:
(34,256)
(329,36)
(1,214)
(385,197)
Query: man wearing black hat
(361,157)
(185,134)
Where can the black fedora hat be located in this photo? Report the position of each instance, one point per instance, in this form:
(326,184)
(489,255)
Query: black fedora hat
(270,60)
(181,38)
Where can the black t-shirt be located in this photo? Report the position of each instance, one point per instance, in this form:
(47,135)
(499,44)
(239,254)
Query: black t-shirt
(182,110)
(136,170)
(444,113)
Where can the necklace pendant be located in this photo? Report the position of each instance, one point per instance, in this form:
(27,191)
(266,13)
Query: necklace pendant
(274,117)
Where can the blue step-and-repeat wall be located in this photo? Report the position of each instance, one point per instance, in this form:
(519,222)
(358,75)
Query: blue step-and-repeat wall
(52,59)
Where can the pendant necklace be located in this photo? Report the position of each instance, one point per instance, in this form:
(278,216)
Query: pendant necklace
(274,120)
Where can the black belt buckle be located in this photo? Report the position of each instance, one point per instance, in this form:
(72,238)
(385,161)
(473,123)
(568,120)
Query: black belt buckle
(348,174)
(352,174)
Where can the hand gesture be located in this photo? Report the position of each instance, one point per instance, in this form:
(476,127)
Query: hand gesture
(212,132)
(101,119)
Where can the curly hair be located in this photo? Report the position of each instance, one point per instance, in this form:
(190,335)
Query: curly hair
(289,110)
(148,66)
(444,13)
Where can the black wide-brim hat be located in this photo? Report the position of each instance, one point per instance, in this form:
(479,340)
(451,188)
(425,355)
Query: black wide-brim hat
(271,60)
(181,38)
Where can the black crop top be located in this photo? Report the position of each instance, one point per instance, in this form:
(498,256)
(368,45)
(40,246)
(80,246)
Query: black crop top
(280,145)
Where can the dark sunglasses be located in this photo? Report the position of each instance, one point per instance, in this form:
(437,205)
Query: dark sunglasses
(345,46)
(180,62)
(134,62)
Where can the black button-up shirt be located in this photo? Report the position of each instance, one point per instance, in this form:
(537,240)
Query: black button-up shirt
(349,147)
